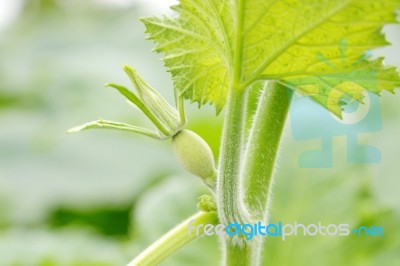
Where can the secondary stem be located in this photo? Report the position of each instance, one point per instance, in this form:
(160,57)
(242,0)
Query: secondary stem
(174,240)
(262,147)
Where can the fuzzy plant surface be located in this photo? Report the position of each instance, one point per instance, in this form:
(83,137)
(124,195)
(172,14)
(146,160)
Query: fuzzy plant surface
(219,52)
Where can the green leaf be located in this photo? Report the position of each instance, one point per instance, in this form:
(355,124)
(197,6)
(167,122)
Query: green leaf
(346,82)
(313,46)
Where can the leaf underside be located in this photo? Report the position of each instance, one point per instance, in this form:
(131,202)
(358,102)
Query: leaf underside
(318,48)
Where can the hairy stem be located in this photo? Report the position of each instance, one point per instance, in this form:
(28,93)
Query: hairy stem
(230,159)
(262,147)
(174,240)
(255,171)
(246,254)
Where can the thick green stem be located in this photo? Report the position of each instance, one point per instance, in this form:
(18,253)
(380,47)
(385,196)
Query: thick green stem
(228,199)
(228,185)
(178,237)
(262,147)
(256,171)
(246,254)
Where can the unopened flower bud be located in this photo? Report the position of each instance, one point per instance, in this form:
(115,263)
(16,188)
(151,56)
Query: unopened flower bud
(207,203)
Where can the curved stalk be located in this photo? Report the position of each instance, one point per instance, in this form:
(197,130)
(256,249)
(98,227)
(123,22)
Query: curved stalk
(174,240)
(262,148)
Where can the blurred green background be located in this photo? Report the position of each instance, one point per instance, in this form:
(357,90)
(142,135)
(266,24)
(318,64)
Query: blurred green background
(100,197)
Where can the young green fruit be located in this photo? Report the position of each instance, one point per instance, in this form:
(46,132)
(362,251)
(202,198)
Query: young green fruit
(195,155)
